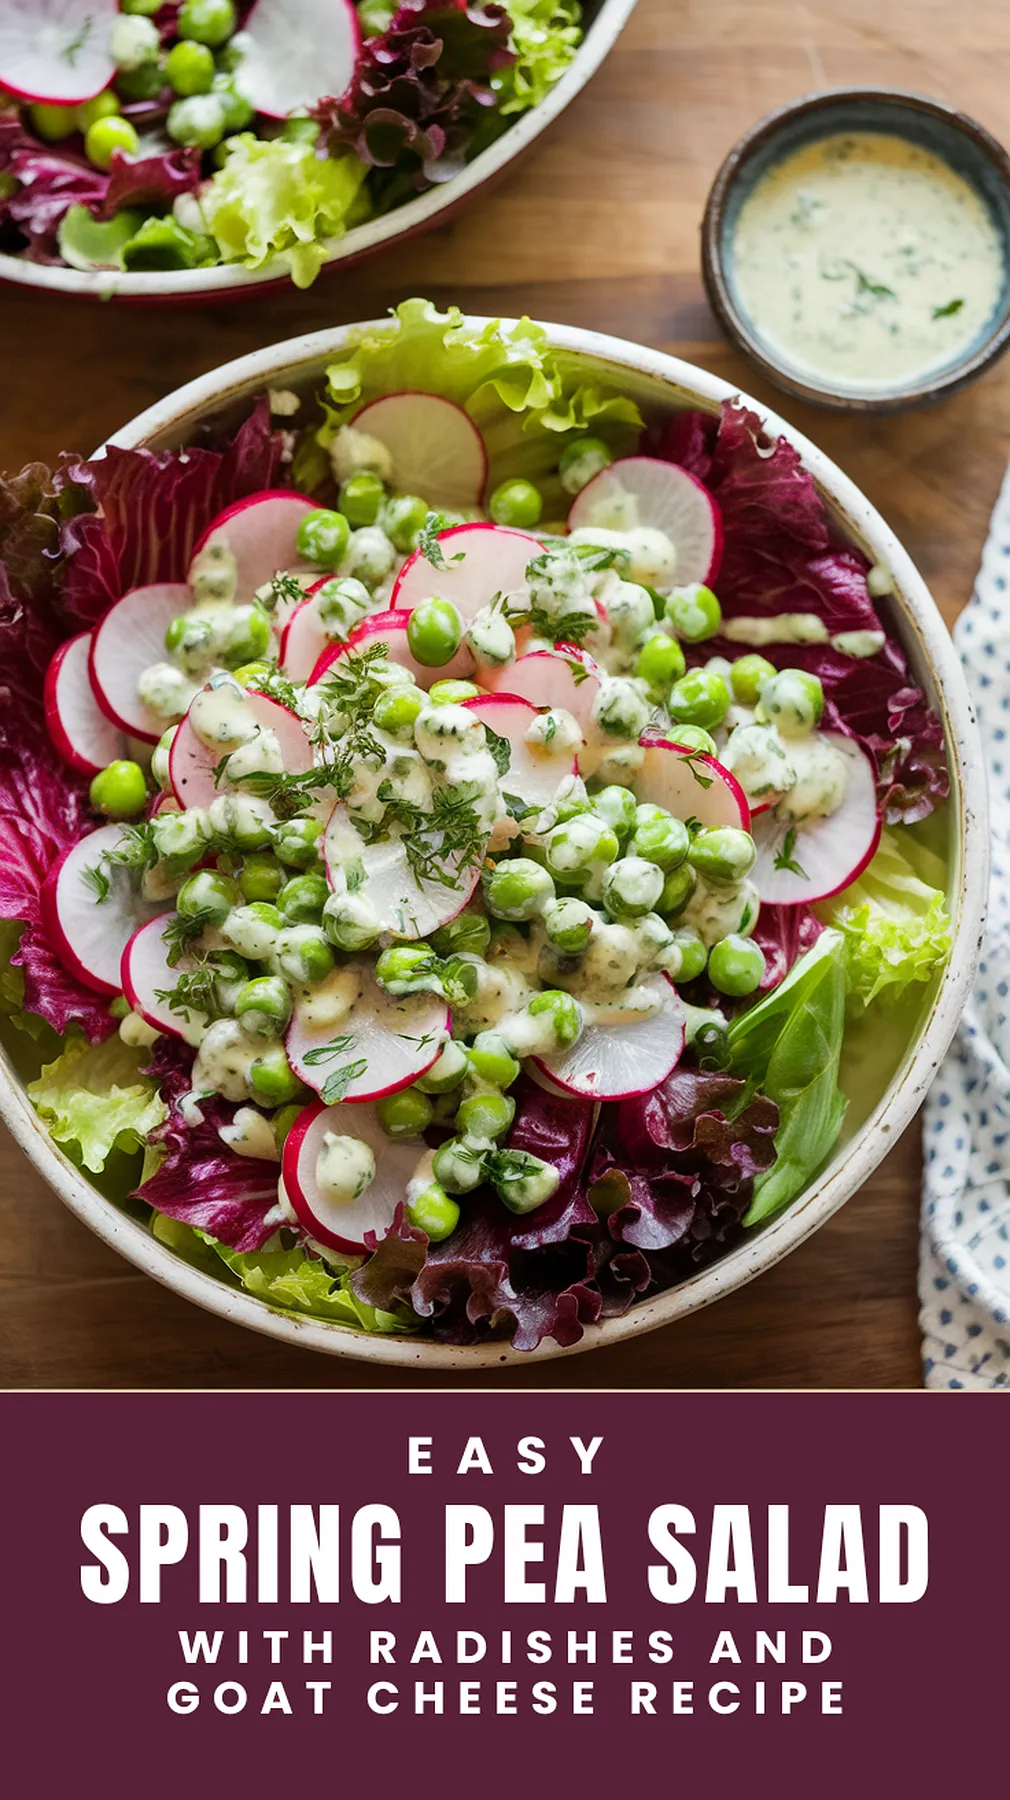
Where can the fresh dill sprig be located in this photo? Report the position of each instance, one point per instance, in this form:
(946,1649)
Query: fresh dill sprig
(429,546)
(440,843)
(785,859)
(97,881)
(195,991)
(183,930)
(501,749)
(281,587)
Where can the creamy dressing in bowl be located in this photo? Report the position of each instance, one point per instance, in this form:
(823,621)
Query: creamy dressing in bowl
(865,260)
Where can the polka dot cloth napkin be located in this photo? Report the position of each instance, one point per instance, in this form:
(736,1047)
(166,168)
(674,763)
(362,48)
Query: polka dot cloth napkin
(964,1261)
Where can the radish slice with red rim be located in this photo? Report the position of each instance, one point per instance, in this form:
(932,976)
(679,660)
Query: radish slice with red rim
(344,1226)
(51,54)
(383,1044)
(564,677)
(407,907)
(260,531)
(642,490)
(533,776)
(482,561)
(391,629)
(145,972)
(129,639)
(90,934)
(303,637)
(285,70)
(436,448)
(191,762)
(614,1061)
(690,785)
(828,853)
(80,731)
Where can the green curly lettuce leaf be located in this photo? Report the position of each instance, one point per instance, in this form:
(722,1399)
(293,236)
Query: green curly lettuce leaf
(273,198)
(303,1284)
(545,36)
(12,984)
(895,923)
(526,400)
(94,1100)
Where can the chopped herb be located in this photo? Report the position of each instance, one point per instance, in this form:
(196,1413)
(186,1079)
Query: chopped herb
(569,628)
(195,991)
(500,749)
(429,546)
(430,1037)
(877,288)
(282,587)
(97,880)
(579,671)
(182,931)
(336,1085)
(701,776)
(339,1046)
(438,844)
(947,312)
(784,858)
(516,807)
(71,50)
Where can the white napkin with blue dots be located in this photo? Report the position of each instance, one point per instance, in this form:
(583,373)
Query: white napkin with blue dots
(964,1257)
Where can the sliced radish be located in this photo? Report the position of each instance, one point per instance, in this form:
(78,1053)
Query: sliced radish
(82,734)
(145,969)
(436,448)
(388,1042)
(343,1227)
(391,628)
(690,785)
(661,495)
(90,934)
(616,1061)
(564,677)
(191,762)
(303,638)
(407,907)
(129,639)
(532,775)
(261,530)
(285,70)
(491,560)
(830,852)
(56,51)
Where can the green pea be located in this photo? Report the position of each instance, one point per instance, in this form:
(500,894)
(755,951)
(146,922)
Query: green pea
(189,67)
(491,1060)
(694,612)
(120,1007)
(748,676)
(485,1115)
(296,842)
(446,1072)
(569,925)
(468,931)
(458,1167)
(582,460)
(103,106)
(621,709)
(451,693)
(723,854)
(617,807)
(694,738)
(208,21)
(402,519)
(229,967)
(517,889)
(264,1006)
(792,700)
(433,1213)
(350,921)
(260,878)
(323,537)
(434,630)
(375,17)
(252,929)
(298,130)
(406,1114)
(282,1121)
(119,790)
(248,635)
(396,710)
(403,966)
(677,889)
(660,838)
(584,840)
(302,899)
(701,697)
(736,966)
(272,1078)
(523,1181)
(198,122)
(207,895)
(342,603)
(180,838)
(564,1012)
(54,123)
(362,498)
(107,136)
(238,111)
(632,887)
(144,83)
(304,955)
(517,503)
(693,954)
(660,663)
(143,8)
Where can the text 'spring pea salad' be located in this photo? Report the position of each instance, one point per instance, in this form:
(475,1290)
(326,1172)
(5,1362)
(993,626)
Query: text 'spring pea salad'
(472,870)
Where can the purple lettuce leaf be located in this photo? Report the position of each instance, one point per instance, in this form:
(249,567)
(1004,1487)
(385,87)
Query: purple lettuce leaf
(51,179)
(149,181)
(558,1131)
(783,933)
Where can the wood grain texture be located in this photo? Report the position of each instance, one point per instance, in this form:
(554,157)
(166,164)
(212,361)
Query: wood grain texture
(597,227)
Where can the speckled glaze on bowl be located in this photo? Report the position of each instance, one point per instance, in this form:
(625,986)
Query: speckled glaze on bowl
(661,385)
(958,140)
(604,21)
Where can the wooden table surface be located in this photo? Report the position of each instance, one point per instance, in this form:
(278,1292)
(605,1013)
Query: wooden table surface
(598,227)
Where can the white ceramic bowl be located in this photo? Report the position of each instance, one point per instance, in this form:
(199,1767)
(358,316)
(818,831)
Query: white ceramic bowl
(659,383)
(604,21)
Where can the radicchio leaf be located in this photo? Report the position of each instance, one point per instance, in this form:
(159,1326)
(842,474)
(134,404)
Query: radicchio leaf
(558,1131)
(149,181)
(51,180)
(783,933)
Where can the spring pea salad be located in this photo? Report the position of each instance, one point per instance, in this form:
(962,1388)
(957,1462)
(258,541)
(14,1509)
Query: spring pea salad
(458,832)
(140,136)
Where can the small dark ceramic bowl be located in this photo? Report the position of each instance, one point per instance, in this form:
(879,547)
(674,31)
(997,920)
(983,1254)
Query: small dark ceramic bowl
(966,146)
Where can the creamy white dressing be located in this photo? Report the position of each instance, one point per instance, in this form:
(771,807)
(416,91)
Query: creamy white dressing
(222,718)
(251,1134)
(800,628)
(865,260)
(345,1167)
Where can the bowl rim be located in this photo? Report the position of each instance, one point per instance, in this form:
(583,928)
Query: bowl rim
(227,281)
(169,421)
(765,130)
